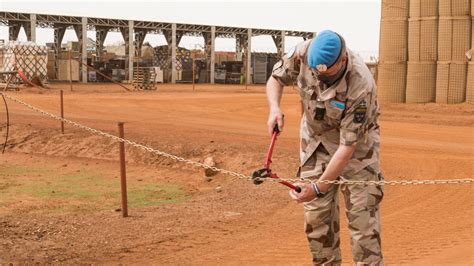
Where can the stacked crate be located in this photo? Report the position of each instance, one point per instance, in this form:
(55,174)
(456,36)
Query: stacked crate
(392,70)
(422,51)
(144,78)
(454,39)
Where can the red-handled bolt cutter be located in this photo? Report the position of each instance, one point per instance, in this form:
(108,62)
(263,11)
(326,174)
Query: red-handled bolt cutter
(259,175)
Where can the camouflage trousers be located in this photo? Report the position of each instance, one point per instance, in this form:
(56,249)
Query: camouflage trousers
(362,210)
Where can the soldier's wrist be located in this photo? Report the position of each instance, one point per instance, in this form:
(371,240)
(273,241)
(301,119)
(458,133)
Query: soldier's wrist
(317,190)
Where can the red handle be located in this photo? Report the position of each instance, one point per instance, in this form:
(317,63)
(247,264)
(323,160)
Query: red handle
(268,161)
(288,184)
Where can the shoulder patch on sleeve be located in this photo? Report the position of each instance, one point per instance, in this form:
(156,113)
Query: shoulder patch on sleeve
(360,112)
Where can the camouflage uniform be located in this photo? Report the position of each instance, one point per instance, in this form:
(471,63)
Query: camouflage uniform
(342,114)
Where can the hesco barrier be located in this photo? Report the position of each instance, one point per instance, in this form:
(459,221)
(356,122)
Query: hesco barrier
(454,37)
(470,84)
(391,82)
(421,82)
(395,9)
(393,39)
(454,7)
(423,39)
(393,51)
(451,82)
(423,8)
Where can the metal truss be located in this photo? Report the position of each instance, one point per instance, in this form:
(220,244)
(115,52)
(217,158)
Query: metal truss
(102,26)
(49,21)
(6,17)
(114,24)
(152,27)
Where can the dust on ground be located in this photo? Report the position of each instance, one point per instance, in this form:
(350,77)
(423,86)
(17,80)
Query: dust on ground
(60,194)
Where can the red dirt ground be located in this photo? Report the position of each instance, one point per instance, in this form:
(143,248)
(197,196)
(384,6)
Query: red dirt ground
(241,224)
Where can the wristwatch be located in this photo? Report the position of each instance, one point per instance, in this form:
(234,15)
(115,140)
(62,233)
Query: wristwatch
(317,191)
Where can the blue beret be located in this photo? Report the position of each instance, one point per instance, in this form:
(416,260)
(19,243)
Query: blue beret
(324,49)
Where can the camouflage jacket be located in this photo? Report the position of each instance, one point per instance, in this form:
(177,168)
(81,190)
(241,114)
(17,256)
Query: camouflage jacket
(342,114)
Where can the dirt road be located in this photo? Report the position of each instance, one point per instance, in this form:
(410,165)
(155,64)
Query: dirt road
(60,192)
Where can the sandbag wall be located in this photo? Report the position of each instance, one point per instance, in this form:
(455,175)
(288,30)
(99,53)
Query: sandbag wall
(422,51)
(392,68)
(454,39)
(423,45)
(470,71)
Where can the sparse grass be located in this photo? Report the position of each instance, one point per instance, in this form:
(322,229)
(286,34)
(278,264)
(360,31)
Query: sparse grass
(79,191)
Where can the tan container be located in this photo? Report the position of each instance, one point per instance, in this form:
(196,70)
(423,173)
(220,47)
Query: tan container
(391,82)
(423,8)
(421,82)
(470,83)
(454,37)
(395,9)
(454,8)
(64,70)
(451,82)
(423,39)
(393,40)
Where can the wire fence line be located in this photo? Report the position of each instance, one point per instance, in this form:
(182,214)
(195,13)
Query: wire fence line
(229,172)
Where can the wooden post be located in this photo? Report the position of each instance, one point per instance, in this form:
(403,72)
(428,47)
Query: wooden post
(123,177)
(62,112)
(194,66)
(70,67)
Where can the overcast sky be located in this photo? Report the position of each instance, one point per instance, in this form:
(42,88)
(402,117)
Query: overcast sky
(356,20)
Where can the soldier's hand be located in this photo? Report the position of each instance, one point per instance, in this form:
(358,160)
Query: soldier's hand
(275,117)
(306,194)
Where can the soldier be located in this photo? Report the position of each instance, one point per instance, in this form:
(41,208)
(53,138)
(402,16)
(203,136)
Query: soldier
(340,140)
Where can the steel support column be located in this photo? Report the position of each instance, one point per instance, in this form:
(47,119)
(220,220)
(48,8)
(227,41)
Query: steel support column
(78,29)
(282,43)
(277,42)
(59,30)
(213,53)
(208,49)
(173,53)
(13,30)
(140,35)
(124,31)
(179,36)
(32,36)
(27,28)
(168,65)
(241,46)
(131,50)
(249,57)
(239,43)
(100,35)
(83,45)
